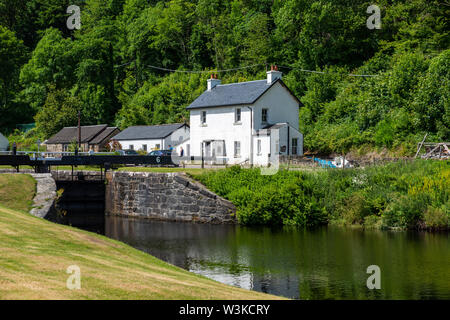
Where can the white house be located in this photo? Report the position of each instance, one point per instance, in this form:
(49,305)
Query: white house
(148,138)
(4,143)
(249,122)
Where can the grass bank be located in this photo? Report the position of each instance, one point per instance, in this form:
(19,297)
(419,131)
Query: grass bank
(413,195)
(17,191)
(35,255)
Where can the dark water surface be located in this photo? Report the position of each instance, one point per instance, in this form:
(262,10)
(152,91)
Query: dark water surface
(326,263)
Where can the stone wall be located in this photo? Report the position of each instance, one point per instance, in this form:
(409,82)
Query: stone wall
(43,202)
(165,196)
(66,175)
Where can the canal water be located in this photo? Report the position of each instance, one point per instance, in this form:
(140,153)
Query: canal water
(325,263)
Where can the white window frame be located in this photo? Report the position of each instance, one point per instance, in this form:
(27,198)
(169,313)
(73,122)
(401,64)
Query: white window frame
(236,112)
(294,146)
(266,115)
(237,149)
(258,152)
(203,117)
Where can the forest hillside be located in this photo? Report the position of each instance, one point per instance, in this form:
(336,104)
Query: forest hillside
(361,89)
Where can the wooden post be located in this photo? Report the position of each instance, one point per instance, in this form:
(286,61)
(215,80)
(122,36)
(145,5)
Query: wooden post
(79,129)
(203,158)
(420,146)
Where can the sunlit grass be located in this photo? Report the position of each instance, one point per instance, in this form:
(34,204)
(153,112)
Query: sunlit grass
(35,255)
(17,191)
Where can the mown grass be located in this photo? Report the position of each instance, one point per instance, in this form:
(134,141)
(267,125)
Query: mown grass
(17,191)
(413,195)
(35,255)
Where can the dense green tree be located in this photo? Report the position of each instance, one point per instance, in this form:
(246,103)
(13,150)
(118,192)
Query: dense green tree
(432,101)
(60,110)
(52,63)
(12,55)
(106,65)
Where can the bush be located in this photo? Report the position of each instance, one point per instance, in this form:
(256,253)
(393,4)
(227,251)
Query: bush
(437,218)
(411,195)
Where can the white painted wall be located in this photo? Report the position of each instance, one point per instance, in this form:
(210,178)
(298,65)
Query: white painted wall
(177,136)
(4,143)
(220,125)
(261,159)
(282,107)
(269,145)
(186,147)
(138,144)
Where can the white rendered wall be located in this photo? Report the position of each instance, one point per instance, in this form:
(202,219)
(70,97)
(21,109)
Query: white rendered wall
(261,159)
(220,125)
(184,145)
(177,137)
(281,105)
(138,144)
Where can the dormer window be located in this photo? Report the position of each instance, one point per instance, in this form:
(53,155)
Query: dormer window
(237,115)
(264,115)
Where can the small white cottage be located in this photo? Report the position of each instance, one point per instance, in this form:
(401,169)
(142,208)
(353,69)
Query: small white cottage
(4,143)
(249,122)
(148,138)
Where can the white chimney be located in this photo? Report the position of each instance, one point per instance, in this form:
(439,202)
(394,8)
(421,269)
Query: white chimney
(213,82)
(273,75)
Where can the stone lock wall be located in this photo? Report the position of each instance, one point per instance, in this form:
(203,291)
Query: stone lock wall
(165,196)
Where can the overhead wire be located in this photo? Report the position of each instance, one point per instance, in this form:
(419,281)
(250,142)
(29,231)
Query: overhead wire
(241,68)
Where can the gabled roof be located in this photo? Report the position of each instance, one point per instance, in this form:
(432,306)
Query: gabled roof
(275,126)
(70,134)
(241,93)
(148,132)
(104,135)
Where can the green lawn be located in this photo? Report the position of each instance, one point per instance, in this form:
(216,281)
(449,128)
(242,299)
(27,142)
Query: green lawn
(35,255)
(17,191)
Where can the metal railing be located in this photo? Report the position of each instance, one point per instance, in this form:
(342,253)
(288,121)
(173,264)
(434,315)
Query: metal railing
(52,155)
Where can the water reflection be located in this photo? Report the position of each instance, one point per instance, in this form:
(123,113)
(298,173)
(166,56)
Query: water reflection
(326,263)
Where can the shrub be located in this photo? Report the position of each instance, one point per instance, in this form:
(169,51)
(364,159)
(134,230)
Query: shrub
(437,218)
(411,195)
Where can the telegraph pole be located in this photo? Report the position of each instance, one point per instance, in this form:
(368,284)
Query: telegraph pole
(79,132)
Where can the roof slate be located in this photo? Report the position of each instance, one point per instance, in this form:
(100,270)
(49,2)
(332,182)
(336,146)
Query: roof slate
(231,94)
(104,135)
(148,132)
(69,134)
(275,126)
